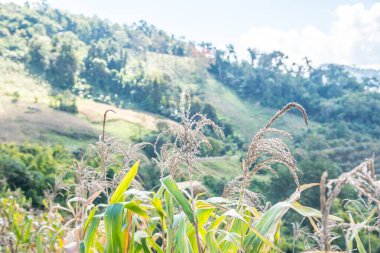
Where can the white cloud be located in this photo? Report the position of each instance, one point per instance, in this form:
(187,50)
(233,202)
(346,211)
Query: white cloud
(353,38)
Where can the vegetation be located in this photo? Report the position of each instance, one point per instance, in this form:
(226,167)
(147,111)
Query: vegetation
(65,102)
(119,64)
(73,51)
(242,195)
(108,210)
(32,168)
(332,96)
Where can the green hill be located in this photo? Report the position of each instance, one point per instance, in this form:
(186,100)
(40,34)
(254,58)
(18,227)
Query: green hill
(32,118)
(26,114)
(191,73)
(60,72)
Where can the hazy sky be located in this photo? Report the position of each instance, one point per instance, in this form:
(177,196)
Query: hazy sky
(325,30)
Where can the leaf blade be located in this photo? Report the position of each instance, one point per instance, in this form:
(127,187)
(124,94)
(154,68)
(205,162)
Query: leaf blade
(174,191)
(118,194)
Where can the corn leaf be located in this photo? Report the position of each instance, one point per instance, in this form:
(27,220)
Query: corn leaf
(268,222)
(118,195)
(256,233)
(89,218)
(174,191)
(89,239)
(113,224)
(181,240)
(311,212)
(355,234)
(136,208)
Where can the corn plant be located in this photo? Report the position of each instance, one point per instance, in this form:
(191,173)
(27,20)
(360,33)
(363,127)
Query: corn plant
(174,220)
(164,221)
(23,229)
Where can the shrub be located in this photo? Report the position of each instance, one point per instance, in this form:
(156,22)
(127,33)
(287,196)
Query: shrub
(31,168)
(64,102)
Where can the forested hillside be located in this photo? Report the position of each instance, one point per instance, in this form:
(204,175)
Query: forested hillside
(60,72)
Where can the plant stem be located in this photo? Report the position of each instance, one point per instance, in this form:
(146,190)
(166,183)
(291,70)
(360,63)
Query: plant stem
(193,207)
(325,212)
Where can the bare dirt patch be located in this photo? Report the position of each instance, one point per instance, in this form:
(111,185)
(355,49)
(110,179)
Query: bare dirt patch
(94,111)
(23,121)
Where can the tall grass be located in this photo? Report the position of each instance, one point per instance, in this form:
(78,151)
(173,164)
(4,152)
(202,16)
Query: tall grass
(105,213)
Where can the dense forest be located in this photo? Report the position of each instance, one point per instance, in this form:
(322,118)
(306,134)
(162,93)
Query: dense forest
(81,57)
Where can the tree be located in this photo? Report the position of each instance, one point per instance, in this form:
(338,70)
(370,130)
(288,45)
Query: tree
(103,64)
(32,168)
(98,74)
(253,55)
(39,52)
(231,53)
(65,63)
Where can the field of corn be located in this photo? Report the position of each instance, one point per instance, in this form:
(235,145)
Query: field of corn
(114,213)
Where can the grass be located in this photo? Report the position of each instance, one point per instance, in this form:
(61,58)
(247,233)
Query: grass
(246,117)
(29,119)
(225,166)
(123,129)
(94,111)
(69,143)
(14,78)
(20,124)
(219,167)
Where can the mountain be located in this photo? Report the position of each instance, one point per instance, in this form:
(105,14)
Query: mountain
(68,81)
(61,71)
(142,50)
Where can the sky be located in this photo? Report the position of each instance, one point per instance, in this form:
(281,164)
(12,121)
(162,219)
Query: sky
(326,31)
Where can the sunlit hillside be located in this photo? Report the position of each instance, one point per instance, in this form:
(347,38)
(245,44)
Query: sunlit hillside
(125,138)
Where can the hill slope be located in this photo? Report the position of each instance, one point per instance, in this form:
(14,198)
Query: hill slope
(191,73)
(26,115)
(141,71)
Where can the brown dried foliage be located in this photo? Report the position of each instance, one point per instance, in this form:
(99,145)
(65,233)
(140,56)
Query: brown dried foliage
(261,155)
(363,179)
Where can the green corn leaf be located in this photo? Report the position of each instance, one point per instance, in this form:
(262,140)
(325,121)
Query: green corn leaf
(118,195)
(355,235)
(136,208)
(181,240)
(359,244)
(220,244)
(81,247)
(174,191)
(27,231)
(156,202)
(113,223)
(40,248)
(170,220)
(203,215)
(269,221)
(145,246)
(258,234)
(228,242)
(89,218)
(89,239)
(211,242)
(311,212)
(233,238)
(154,245)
